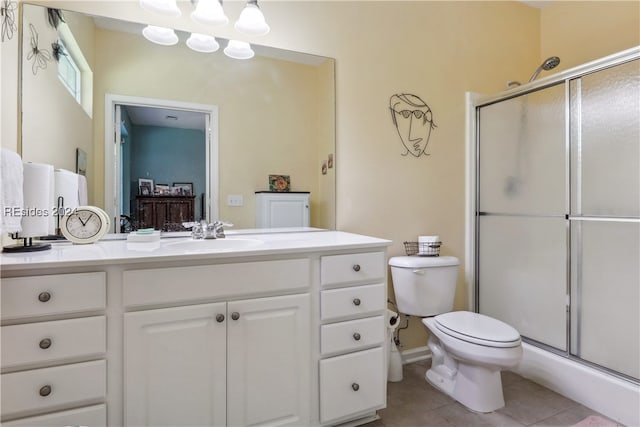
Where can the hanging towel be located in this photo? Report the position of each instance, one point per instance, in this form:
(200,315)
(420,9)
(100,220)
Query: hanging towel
(83,197)
(11,193)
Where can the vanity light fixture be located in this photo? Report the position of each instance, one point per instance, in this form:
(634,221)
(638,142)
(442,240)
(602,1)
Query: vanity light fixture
(202,43)
(237,49)
(160,35)
(163,7)
(209,12)
(252,20)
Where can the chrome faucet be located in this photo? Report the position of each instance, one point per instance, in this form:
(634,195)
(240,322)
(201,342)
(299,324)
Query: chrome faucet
(204,230)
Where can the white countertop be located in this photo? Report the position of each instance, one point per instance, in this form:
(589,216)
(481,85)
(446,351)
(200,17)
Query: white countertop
(236,244)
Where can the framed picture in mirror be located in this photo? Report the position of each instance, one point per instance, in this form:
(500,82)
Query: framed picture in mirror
(145,187)
(182,189)
(163,189)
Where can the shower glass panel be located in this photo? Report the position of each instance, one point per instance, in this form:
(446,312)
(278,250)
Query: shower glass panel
(523,275)
(604,142)
(605,296)
(522,232)
(523,154)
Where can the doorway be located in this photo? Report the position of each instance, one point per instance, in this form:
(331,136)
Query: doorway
(160,151)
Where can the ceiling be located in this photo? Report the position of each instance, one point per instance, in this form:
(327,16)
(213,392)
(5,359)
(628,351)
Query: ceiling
(162,117)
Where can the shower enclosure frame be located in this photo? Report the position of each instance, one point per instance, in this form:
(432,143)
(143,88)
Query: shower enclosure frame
(474,103)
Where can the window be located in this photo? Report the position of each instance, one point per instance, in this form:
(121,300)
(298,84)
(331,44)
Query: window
(69,73)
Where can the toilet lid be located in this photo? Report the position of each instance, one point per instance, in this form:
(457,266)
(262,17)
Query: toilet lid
(477,329)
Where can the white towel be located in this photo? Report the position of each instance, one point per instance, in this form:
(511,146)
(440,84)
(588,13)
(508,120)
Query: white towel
(83,197)
(11,193)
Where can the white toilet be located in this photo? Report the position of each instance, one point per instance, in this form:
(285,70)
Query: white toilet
(468,350)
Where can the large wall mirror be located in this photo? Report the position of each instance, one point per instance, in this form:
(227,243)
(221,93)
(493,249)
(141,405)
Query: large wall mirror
(143,112)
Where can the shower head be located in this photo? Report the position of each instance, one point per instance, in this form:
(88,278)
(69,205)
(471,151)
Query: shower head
(548,64)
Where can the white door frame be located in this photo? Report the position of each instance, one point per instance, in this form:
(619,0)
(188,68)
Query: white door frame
(112,186)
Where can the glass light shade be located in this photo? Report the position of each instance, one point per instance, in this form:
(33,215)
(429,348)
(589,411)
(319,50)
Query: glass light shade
(160,35)
(252,21)
(238,50)
(163,7)
(209,12)
(202,43)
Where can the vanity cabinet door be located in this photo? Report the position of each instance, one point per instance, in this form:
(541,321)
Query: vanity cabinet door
(175,373)
(269,361)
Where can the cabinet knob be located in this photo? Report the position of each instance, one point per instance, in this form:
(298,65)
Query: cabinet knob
(45,390)
(356,301)
(44,296)
(355,386)
(219,318)
(45,343)
(356,336)
(235,315)
(356,267)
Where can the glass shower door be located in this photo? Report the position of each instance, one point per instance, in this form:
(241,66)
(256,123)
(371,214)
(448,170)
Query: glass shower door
(521,221)
(605,218)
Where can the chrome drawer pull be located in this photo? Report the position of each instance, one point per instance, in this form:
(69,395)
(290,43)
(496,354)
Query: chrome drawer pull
(356,301)
(45,343)
(45,390)
(44,296)
(356,267)
(235,315)
(356,336)
(355,386)
(219,318)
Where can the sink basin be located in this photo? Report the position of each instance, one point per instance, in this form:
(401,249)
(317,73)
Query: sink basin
(211,245)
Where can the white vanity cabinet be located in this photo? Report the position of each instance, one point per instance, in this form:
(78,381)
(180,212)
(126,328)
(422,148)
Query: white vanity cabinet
(352,336)
(289,332)
(53,350)
(237,363)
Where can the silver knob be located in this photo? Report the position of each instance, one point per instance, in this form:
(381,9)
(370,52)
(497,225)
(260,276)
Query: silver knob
(355,386)
(219,318)
(235,315)
(45,390)
(356,336)
(44,296)
(45,343)
(356,267)
(356,301)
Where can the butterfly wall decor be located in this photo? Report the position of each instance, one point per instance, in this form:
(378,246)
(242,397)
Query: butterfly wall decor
(39,56)
(8,12)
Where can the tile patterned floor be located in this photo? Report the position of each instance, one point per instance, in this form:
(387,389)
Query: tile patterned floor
(413,402)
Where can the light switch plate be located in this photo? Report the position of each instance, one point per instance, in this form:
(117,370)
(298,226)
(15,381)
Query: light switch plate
(235,200)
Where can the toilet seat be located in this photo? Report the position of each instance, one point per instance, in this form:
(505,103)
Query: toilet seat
(478,329)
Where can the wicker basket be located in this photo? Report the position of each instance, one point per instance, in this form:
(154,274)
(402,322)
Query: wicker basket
(422,249)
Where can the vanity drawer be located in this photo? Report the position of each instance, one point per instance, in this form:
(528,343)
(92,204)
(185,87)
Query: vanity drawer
(352,383)
(24,297)
(336,269)
(355,300)
(352,335)
(94,416)
(47,342)
(68,385)
(182,284)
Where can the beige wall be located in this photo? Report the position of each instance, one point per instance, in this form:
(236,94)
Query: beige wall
(438,51)
(47,103)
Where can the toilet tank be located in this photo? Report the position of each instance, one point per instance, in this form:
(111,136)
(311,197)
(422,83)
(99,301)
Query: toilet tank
(424,286)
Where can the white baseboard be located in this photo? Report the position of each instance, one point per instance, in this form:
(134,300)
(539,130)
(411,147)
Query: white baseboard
(415,354)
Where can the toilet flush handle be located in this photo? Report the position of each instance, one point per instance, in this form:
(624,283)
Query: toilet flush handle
(418,271)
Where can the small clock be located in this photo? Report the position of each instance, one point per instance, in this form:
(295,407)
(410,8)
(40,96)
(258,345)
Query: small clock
(85,224)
